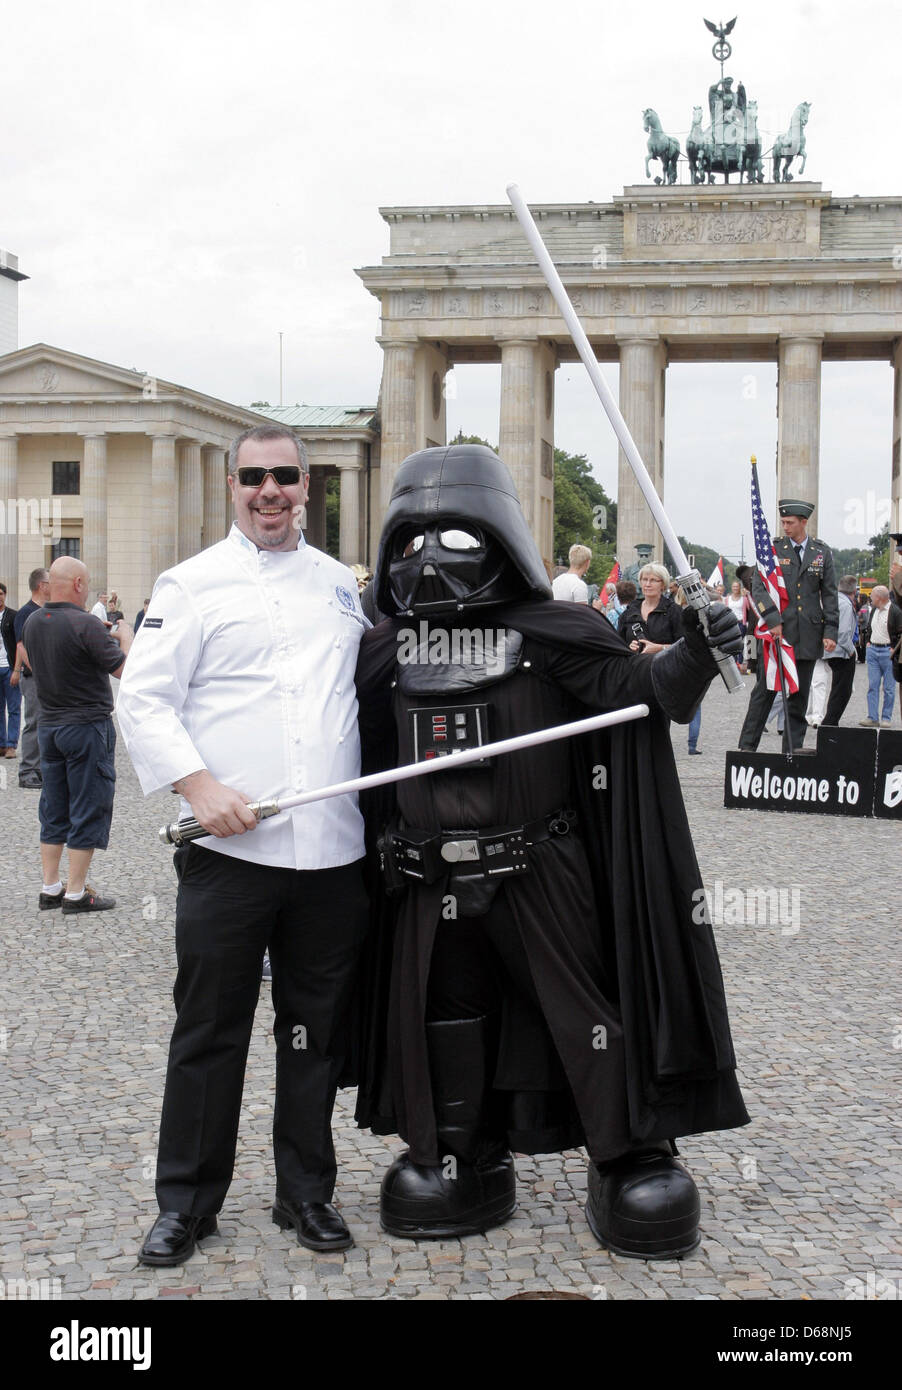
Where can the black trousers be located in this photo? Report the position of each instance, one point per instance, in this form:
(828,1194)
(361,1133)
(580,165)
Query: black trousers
(228,912)
(842,669)
(760,703)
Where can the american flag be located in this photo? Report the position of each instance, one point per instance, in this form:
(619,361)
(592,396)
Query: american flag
(772,578)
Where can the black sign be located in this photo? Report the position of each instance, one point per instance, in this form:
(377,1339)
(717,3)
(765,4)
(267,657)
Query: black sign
(840,777)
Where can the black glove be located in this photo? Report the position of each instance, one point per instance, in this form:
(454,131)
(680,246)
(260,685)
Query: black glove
(723,632)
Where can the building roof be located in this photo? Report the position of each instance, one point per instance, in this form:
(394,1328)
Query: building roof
(321,416)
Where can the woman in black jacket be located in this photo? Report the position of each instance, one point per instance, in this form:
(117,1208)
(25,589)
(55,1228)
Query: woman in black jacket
(653,622)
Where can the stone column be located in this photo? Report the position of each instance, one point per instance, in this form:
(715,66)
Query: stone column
(349,511)
(896,484)
(217,509)
(429,372)
(398,407)
(191,500)
(643,363)
(9,534)
(526,431)
(94,501)
(164,500)
(799,420)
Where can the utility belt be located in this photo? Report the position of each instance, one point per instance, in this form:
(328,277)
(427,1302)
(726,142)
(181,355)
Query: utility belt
(478,856)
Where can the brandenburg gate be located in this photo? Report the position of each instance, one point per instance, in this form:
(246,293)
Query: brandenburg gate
(779,272)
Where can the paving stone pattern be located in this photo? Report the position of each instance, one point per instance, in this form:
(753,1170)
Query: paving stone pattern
(796,1204)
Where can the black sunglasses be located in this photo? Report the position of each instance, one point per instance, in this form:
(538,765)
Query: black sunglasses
(286,475)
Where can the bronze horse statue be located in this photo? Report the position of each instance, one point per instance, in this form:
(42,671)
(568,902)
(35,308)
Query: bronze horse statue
(699,149)
(791,143)
(660,146)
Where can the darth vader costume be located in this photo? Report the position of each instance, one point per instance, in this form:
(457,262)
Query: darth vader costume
(542,975)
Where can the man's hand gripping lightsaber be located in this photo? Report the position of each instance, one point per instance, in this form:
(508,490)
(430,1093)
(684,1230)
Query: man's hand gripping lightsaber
(689,580)
(180,832)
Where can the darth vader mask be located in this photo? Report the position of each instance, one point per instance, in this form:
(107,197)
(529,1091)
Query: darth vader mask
(455,537)
(449,567)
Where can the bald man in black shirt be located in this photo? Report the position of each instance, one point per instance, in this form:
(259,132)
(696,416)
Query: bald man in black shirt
(72,656)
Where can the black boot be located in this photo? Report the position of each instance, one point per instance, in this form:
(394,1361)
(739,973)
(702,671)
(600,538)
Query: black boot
(644,1205)
(473,1187)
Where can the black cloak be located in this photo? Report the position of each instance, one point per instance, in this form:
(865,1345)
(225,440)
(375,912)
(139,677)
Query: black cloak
(615,929)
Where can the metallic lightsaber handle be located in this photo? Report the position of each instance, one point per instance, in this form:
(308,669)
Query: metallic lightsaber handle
(697,597)
(180,832)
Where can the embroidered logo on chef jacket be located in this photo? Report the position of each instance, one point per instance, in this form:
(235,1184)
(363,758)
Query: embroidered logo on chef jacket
(344,596)
(152,622)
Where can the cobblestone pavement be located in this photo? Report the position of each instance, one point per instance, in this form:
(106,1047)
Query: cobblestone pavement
(796,1204)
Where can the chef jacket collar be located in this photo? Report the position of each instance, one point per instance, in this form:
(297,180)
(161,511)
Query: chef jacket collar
(236,535)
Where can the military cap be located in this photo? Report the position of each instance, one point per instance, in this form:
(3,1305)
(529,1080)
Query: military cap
(791,506)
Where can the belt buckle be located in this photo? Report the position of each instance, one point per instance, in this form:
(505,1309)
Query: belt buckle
(461,851)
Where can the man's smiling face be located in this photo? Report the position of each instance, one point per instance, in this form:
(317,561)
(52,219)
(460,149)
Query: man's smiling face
(268,513)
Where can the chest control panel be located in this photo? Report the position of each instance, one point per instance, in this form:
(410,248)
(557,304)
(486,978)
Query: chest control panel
(442,731)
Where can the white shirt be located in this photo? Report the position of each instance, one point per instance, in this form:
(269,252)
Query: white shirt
(880,625)
(244,665)
(99,611)
(570,586)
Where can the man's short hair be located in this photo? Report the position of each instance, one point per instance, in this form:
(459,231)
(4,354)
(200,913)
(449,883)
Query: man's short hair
(848,584)
(3,588)
(38,576)
(264,432)
(578,554)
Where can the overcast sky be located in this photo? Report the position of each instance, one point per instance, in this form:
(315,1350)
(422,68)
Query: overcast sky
(181,181)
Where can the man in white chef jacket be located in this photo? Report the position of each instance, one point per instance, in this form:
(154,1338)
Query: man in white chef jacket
(240,685)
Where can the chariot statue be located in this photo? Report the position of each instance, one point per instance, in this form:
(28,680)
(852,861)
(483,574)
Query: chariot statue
(730,142)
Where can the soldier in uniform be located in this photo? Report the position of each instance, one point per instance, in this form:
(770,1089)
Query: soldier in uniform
(809,623)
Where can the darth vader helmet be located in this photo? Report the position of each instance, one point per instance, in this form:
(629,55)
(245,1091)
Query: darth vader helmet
(455,537)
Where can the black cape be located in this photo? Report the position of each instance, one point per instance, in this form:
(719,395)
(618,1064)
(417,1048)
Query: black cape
(636,922)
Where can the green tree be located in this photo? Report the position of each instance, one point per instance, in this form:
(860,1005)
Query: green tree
(583,513)
(333,500)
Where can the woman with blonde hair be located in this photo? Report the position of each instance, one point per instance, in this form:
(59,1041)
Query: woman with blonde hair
(651,623)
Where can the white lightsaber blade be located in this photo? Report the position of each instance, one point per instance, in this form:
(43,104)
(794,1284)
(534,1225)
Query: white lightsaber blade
(689,580)
(179,832)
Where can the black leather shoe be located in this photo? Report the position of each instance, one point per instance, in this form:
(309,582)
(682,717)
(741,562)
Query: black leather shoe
(431,1203)
(48,900)
(318,1224)
(173,1237)
(644,1205)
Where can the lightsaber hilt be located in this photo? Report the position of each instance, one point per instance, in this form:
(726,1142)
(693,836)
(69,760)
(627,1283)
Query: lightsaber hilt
(689,581)
(181,831)
(697,597)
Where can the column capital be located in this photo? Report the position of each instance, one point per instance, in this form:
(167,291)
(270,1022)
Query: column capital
(518,341)
(639,340)
(348,465)
(800,337)
(93,434)
(385,343)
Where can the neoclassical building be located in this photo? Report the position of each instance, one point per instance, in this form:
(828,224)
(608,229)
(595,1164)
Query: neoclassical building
(128,471)
(785,273)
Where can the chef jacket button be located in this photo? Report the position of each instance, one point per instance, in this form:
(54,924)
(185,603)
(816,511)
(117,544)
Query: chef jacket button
(338,690)
(341,738)
(316,562)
